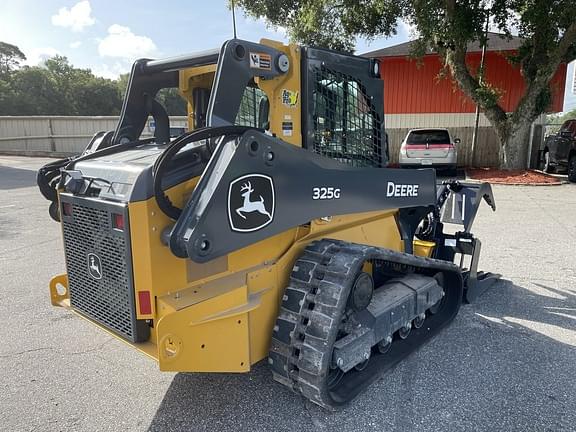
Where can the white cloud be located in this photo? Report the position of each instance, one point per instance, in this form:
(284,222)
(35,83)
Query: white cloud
(279,31)
(410,29)
(111,71)
(37,56)
(122,43)
(75,44)
(75,18)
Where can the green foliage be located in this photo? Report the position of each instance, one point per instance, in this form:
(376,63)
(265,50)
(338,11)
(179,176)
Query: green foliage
(122,83)
(34,92)
(10,58)
(58,88)
(170,98)
(98,96)
(173,102)
(328,23)
(488,94)
(558,119)
(55,88)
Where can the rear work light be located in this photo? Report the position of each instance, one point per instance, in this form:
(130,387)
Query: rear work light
(118,221)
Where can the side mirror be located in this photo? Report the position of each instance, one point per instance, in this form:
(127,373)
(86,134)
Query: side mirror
(457,141)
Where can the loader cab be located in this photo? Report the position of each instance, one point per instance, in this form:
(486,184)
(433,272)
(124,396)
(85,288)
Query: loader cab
(326,101)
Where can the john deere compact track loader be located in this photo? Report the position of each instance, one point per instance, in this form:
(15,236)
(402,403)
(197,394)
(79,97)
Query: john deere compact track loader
(271,230)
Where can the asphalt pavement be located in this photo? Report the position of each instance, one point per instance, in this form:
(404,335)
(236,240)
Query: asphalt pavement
(507,363)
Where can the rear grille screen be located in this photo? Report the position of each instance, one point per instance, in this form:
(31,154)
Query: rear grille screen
(99,271)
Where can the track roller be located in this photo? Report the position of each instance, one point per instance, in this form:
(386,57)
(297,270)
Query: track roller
(404,332)
(384,345)
(419,321)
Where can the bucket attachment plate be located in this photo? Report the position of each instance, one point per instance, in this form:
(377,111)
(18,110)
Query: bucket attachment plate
(462,204)
(458,204)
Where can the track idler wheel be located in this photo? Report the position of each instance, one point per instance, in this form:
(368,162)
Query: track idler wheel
(362,292)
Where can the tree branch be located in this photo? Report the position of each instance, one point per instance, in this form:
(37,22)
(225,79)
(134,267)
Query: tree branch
(456,60)
(455,57)
(527,107)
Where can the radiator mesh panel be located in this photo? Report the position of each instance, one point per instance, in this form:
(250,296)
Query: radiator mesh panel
(108,300)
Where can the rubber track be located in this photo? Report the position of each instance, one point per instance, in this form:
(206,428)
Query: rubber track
(312,307)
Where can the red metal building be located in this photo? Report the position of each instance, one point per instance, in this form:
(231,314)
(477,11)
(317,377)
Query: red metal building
(414,86)
(417,96)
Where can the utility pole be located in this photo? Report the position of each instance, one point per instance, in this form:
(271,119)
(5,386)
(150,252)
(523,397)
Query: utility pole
(480,81)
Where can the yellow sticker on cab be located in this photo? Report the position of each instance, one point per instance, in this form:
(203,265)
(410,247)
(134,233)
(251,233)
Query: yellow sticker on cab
(289,97)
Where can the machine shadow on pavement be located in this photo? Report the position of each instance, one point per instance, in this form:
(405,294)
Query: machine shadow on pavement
(504,364)
(16,178)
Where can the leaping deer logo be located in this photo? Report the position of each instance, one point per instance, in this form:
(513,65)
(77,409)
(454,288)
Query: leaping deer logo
(251,206)
(94,266)
(251,202)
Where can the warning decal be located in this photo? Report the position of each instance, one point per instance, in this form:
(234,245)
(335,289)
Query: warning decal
(287,128)
(260,61)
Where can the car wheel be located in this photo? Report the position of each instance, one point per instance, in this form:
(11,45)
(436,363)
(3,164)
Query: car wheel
(572,169)
(546,161)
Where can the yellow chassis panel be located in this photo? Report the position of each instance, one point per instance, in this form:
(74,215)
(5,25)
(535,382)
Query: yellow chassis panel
(224,322)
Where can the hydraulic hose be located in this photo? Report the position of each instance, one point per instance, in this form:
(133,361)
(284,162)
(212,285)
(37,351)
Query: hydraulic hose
(48,177)
(161,164)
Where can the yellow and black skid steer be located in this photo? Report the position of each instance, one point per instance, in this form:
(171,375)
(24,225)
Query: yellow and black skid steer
(270,230)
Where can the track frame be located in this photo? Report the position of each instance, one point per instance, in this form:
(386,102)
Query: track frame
(312,308)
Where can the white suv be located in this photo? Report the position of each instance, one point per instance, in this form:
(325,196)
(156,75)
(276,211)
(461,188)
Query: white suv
(432,147)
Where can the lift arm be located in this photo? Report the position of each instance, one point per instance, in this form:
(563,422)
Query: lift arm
(257,186)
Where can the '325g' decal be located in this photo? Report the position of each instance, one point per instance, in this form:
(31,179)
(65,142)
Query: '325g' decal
(325,193)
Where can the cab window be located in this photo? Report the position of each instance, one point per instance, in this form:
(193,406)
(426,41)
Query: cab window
(346,127)
(254,109)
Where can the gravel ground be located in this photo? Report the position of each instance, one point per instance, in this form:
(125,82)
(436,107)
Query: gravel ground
(507,363)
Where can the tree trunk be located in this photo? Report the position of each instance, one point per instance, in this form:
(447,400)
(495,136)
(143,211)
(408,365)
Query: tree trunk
(514,146)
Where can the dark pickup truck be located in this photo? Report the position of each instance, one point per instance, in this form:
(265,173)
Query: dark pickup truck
(559,151)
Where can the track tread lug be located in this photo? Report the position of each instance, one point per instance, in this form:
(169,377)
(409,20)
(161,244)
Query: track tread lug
(312,306)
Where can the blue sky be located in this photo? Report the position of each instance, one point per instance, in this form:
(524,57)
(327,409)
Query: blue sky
(108,35)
